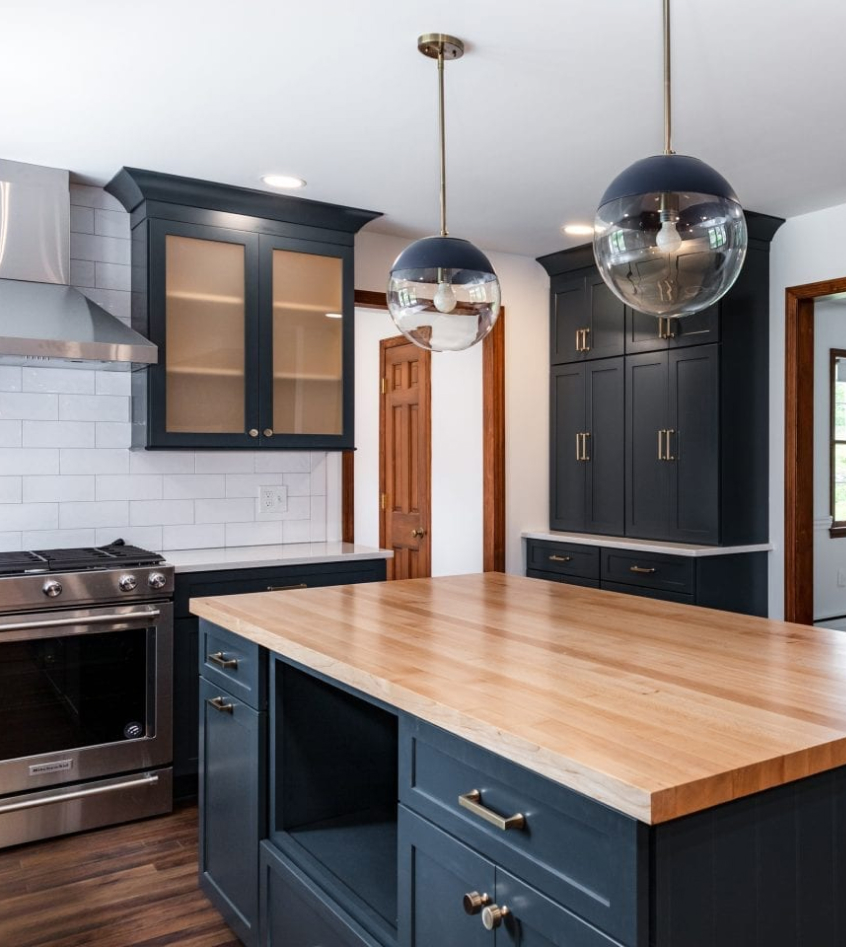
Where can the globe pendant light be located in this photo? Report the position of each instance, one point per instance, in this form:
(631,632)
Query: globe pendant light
(443,293)
(670,235)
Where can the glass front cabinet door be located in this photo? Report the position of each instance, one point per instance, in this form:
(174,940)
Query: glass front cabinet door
(255,338)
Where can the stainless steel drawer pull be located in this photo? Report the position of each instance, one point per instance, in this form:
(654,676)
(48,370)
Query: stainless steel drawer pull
(473,801)
(641,571)
(555,558)
(220,659)
(285,588)
(219,704)
(79,794)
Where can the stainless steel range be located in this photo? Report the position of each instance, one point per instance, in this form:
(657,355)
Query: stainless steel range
(86,642)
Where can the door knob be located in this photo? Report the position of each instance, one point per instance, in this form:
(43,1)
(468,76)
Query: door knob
(418,533)
(493,916)
(474,902)
(253,432)
(268,432)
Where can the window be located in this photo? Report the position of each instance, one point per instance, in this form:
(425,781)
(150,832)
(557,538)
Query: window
(838,440)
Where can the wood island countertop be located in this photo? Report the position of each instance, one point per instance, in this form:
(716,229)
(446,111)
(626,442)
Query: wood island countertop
(655,709)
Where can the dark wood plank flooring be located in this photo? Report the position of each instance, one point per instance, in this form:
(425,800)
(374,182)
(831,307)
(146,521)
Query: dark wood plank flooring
(129,886)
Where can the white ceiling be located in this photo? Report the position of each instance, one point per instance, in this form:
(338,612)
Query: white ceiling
(551,101)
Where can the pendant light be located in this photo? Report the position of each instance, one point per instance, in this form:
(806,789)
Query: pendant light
(670,235)
(443,293)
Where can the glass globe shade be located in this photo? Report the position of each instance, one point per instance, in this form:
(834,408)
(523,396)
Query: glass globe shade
(443,294)
(670,236)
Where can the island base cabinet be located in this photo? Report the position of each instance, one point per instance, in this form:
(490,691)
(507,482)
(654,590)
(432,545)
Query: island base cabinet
(232,804)
(295,912)
(440,878)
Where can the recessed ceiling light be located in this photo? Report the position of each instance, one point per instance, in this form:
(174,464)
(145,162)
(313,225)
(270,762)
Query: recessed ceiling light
(334,315)
(578,230)
(282,180)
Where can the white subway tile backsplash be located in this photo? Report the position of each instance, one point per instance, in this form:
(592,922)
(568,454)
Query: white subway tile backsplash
(147,537)
(25,406)
(60,380)
(10,434)
(97,513)
(81,219)
(154,461)
(114,383)
(84,246)
(247,485)
(296,531)
(159,512)
(55,489)
(193,537)
(317,520)
(194,486)
(113,276)
(318,474)
(57,538)
(129,487)
(253,534)
(82,273)
(11,542)
(225,511)
(114,434)
(58,433)
(20,460)
(111,223)
(283,462)
(93,408)
(11,489)
(224,462)
(86,196)
(10,378)
(299,508)
(115,301)
(299,484)
(25,516)
(85,461)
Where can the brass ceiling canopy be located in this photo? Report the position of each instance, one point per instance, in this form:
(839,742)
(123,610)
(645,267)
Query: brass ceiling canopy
(434,45)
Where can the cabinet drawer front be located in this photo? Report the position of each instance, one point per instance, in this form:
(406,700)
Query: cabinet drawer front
(578,852)
(648,570)
(233,663)
(645,592)
(296,913)
(562,558)
(563,579)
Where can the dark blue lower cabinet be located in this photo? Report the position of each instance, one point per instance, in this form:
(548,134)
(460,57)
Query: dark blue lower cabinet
(296,913)
(232,806)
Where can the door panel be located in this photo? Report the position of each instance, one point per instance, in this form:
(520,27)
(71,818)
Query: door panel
(647,481)
(605,468)
(567,473)
(606,336)
(694,417)
(570,314)
(406,458)
(643,332)
(701,328)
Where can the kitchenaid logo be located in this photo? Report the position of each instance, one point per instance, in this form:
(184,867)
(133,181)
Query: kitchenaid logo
(57,767)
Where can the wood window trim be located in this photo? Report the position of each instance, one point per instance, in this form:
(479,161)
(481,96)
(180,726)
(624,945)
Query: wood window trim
(493,444)
(799,446)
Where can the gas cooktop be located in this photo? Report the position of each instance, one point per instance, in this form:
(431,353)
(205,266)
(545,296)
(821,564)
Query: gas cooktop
(117,555)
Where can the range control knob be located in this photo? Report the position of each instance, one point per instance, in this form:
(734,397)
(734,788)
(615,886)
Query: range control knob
(52,588)
(127,583)
(156,580)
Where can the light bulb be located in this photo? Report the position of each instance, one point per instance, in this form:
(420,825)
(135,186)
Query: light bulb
(444,299)
(668,238)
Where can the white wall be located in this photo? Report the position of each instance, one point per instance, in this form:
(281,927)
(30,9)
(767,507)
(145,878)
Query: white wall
(457,415)
(805,250)
(829,554)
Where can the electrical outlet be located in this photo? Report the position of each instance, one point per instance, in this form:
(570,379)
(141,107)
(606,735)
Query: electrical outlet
(272,500)
(841,578)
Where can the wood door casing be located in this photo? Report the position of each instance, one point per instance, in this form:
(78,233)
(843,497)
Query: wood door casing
(405,457)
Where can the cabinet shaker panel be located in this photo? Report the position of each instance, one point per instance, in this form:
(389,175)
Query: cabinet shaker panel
(569,317)
(605,446)
(606,328)
(567,469)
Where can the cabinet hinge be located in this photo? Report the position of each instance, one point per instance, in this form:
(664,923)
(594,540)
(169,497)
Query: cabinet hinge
(384,386)
(383,501)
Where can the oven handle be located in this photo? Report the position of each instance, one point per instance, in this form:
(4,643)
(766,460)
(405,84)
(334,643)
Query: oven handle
(78,794)
(81,620)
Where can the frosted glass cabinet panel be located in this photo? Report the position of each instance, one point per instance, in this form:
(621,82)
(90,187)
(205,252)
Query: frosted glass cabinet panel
(308,343)
(205,359)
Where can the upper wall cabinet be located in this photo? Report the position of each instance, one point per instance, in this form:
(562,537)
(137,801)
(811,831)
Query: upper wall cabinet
(249,297)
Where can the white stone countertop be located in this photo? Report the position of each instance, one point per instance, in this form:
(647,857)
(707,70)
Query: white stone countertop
(254,557)
(643,545)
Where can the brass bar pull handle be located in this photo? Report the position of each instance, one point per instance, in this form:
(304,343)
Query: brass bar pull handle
(556,558)
(219,704)
(669,330)
(587,343)
(285,588)
(579,340)
(640,570)
(220,659)
(473,802)
(585,454)
(661,328)
(578,445)
(661,446)
(667,454)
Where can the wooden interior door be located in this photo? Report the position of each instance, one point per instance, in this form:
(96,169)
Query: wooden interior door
(405,457)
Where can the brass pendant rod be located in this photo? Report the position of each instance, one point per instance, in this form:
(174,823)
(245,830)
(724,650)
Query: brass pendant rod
(442,128)
(668,105)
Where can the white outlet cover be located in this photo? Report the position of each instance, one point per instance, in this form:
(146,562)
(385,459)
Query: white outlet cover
(272,501)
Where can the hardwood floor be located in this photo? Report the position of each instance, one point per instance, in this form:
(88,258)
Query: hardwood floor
(129,886)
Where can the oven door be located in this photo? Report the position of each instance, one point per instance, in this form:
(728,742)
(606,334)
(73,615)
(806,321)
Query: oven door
(84,693)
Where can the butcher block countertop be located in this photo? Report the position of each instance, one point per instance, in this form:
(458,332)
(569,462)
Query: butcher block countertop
(655,709)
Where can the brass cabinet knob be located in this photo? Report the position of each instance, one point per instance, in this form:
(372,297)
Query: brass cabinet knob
(493,916)
(418,533)
(253,432)
(268,432)
(474,902)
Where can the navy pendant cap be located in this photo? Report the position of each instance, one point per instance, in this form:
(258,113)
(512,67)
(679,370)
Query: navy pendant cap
(448,253)
(668,174)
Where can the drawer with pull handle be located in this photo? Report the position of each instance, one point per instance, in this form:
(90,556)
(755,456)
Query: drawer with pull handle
(233,663)
(577,851)
(562,558)
(648,570)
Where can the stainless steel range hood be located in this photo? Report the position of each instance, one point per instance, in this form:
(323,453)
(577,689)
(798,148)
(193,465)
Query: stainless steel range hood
(43,321)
